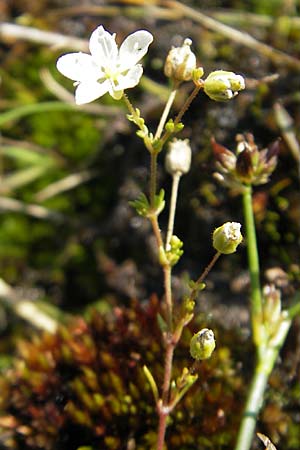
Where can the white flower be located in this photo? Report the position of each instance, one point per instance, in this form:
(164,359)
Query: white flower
(108,68)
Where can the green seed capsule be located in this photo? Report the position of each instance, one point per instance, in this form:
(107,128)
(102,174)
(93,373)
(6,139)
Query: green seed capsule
(222,85)
(227,237)
(202,344)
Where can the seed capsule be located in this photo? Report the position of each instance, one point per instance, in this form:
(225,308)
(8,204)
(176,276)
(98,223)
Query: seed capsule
(227,237)
(202,344)
(222,85)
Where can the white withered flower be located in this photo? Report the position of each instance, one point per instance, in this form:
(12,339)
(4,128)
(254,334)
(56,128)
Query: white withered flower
(181,62)
(179,155)
(108,68)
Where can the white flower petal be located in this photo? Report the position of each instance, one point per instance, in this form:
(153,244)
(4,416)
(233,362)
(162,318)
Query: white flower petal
(103,47)
(89,91)
(78,67)
(134,48)
(131,78)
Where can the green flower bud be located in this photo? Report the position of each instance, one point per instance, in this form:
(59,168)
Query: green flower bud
(174,252)
(197,74)
(227,237)
(222,85)
(202,344)
(181,62)
(179,156)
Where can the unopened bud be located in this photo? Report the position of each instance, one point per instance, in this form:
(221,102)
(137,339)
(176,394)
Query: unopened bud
(202,344)
(179,156)
(181,62)
(227,237)
(222,85)
(174,250)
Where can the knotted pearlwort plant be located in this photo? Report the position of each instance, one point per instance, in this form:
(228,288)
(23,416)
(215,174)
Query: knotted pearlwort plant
(113,70)
(70,372)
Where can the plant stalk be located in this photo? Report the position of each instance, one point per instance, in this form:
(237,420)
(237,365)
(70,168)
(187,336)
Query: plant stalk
(175,185)
(163,407)
(204,275)
(161,430)
(252,408)
(264,366)
(165,113)
(182,111)
(153,177)
(267,346)
(254,269)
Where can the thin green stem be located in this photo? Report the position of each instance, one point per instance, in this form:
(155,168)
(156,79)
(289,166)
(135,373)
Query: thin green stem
(163,119)
(268,346)
(263,369)
(204,275)
(208,268)
(165,113)
(153,156)
(156,231)
(254,269)
(252,408)
(182,111)
(153,177)
(173,202)
(129,105)
(187,103)
(167,270)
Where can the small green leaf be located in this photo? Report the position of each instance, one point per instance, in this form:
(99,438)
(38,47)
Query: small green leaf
(159,202)
(152,382)
(141,205)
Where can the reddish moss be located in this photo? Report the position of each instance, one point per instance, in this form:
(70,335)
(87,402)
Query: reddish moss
(85,386)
